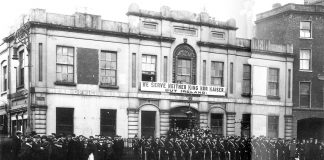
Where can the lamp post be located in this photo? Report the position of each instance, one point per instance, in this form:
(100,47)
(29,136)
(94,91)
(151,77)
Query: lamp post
(189,113)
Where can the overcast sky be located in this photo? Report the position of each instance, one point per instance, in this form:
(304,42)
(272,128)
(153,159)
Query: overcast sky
(116,10)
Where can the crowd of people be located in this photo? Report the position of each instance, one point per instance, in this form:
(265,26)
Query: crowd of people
(178,144)
(62,147)
(201,144)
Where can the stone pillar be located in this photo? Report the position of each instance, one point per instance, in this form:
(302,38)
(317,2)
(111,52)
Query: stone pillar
(288,126)
(203,119)
(132,122)
(230,123)
(39,119)
(164,122)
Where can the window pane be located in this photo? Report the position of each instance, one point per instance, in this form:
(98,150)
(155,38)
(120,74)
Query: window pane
(305,25)
(65,51)
(70,51)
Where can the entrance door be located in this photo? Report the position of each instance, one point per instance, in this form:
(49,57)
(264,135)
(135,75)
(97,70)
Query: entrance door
(310,128)
(148,123)
(179,118)
(246,125)
(64,120)
(216,124)
(108,122)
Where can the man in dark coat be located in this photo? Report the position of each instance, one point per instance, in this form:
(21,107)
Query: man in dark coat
(16,145)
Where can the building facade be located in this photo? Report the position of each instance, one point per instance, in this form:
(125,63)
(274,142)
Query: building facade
(302,26)
(160,70)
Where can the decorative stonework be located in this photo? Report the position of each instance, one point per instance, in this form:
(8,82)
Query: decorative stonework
(184,51)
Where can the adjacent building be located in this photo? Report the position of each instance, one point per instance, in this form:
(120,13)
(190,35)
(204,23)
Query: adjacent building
(84,75)
(302,26)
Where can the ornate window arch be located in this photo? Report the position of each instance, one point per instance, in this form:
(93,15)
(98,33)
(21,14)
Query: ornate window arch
(184,64)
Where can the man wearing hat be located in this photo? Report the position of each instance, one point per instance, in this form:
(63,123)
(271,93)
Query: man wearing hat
(16,145)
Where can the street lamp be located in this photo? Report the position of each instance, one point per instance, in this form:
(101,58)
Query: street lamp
(189,113)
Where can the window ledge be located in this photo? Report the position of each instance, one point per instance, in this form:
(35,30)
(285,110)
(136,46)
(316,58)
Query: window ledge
(65,83)
(108,87)
(306,38)
(3,93)
(20,87)
(304,70)
(273,97)
(246,95)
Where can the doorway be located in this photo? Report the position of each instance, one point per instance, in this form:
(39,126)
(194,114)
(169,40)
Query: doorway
(148,123)
(179,119)
(310,128)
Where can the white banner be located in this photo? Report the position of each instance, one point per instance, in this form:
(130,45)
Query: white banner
(182,88)
(259,125)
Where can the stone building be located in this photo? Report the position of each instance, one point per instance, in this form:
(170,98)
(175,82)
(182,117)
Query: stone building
(85,75)
(302,26)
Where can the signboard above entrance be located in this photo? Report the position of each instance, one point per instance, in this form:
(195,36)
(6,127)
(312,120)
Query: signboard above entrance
(182,88)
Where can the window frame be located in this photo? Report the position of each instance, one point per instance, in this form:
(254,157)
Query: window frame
(101,84)
(57,82)
(4,77)
(178,74)
(21,69)
(222,75)
(214,33)
(310,94)
(268,84)
(247,94)
(277,124)
(310,59)
(155,65)
(301,29)
(146,23)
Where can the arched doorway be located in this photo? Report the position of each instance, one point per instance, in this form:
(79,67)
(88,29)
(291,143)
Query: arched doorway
(310,128)
(179,118)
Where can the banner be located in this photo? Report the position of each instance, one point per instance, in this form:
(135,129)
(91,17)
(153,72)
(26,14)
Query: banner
(182,88)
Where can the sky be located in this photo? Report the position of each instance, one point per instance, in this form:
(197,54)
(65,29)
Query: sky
(11,10)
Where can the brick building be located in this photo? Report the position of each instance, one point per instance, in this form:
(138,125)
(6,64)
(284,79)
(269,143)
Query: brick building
(85,75)
(302,26)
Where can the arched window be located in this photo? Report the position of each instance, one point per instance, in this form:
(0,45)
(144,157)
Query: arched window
(184,64)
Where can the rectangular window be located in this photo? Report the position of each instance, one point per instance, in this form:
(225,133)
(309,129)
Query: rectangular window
(149,68)
(246,88)
(150,25)
(65,64)
(165,68)
(185,31)
(305,29)
(107,122)
(64,120)
(217,69)
(40,59)
(273,82)
(304,94)
(231,78)
(273,125)
(183,71)
(5,78)
(305,59)
(21,69)
(204,72)
(289,83)
(148,123)
(108,68)
(216,124)
(218,35)
(134,70)
(246,125)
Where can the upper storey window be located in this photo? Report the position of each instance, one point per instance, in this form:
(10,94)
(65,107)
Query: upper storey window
(108,68)
(149,68)
(185,31)
(65,64)
(305,29)
(184,64)
(218,35)
(150,25)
